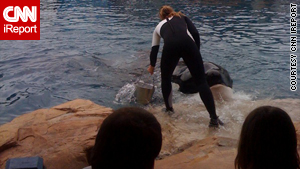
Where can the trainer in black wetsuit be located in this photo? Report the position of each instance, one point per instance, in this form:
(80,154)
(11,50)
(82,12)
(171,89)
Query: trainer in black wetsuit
(181,40)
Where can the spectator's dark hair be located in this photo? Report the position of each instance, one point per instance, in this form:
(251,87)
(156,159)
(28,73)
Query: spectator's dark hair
(128,138)
(268,141)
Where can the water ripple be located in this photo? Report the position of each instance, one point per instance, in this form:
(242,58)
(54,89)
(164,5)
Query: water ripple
(89,49)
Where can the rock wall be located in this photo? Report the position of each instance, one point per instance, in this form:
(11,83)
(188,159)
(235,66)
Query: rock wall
(62,134)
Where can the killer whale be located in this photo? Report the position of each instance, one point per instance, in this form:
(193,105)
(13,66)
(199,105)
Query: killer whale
(215,75)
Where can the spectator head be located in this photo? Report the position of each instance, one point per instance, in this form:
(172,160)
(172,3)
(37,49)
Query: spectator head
(128,138)
(267,141)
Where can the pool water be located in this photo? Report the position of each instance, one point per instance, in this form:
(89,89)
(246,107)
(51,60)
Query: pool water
(91,49)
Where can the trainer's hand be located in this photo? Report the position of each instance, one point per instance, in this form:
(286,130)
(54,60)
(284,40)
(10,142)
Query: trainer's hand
(150,69)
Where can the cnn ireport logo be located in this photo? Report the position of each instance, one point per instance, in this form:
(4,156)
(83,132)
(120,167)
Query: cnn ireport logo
(20,20)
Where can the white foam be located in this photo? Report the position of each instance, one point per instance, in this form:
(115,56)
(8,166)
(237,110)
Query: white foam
(125,94)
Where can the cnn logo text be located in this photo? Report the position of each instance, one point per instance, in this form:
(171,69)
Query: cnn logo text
(21,20)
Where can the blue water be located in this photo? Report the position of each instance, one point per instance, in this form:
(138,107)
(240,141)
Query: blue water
(89,49)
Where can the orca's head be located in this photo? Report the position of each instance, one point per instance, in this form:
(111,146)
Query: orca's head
(213,77)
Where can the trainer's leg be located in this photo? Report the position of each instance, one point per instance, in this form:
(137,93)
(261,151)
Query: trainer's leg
(169,61)
(208,100)
(193,60)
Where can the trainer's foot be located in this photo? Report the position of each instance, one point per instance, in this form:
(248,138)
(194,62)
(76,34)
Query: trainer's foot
(169,111)
(215,123)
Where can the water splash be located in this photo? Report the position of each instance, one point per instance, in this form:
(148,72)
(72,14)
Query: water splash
(126,94)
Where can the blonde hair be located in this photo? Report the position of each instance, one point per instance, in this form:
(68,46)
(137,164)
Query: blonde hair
(167,11)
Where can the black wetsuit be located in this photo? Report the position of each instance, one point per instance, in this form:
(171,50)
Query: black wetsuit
(181,40)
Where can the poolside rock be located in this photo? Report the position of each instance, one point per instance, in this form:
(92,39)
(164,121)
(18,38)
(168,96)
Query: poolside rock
(209,153)
(60,135)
